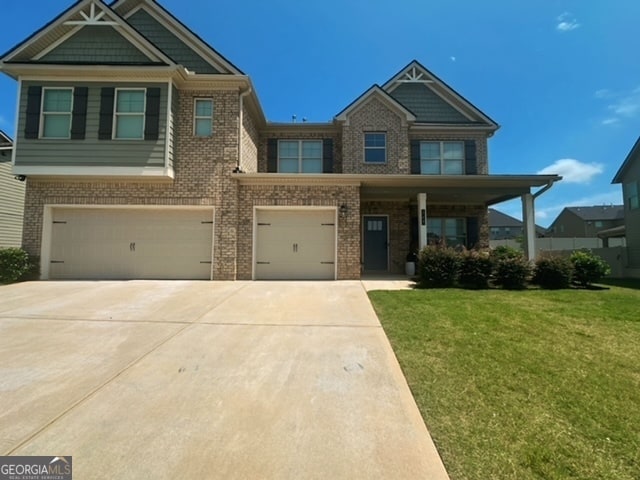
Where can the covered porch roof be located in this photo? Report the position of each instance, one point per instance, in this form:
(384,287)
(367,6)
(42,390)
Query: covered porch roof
(441,189)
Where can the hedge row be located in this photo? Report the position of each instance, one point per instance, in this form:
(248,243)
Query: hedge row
(442,267)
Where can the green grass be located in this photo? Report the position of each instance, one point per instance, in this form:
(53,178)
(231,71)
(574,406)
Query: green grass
(523,385)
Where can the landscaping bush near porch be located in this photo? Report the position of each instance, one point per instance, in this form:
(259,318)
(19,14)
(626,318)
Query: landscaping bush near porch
(523,385)
(442,267)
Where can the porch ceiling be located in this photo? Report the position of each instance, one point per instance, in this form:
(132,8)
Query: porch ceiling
(448,189)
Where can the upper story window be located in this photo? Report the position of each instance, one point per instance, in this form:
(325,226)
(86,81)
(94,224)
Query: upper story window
(57,105)
(375,147)
(300,156)
(442,158)
(632,195)
(129,114)
(203,117)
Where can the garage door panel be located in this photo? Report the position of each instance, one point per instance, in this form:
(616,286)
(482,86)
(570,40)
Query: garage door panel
(295,244)
(114,243)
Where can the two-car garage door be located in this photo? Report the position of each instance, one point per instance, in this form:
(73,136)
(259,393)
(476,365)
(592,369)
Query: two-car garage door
(295,244)
(124,243)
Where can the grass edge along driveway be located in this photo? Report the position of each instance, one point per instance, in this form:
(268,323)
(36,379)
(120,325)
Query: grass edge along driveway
(523,385)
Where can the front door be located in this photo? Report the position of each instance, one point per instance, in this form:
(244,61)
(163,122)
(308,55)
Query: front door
(376,243)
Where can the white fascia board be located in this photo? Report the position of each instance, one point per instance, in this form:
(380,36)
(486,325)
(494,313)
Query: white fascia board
(95,172)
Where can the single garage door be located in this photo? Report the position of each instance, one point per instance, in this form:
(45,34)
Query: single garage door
(295,245)
(122,243)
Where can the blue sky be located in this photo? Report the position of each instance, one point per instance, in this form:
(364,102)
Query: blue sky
(561,77)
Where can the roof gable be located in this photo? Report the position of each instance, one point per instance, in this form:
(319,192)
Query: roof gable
(376,92)
(633,156)
(174,38)
(97,45)
(432,100)
(83,14)
(5,140)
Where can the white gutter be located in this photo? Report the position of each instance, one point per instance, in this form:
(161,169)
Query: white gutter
(546,187)
(241,121)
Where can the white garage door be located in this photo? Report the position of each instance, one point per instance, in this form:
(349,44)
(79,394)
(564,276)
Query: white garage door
(295,245)
(113,243)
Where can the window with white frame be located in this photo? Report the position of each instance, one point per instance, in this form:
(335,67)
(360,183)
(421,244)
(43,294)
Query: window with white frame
(57,105)
(375,147)
(203,117)
(442,158)
(447,231)
(632,195)
(300,156)
(129,114)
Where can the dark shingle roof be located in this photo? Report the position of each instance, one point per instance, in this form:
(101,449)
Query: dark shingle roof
(599,212)
(499,219)
(5,140)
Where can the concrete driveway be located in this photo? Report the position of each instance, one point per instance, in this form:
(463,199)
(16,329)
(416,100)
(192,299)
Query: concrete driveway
(194,380)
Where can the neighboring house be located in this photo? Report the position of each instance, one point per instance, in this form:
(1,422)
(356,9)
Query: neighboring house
(11,198)
(505,227)
(629,177)
(148,156)
(586,222)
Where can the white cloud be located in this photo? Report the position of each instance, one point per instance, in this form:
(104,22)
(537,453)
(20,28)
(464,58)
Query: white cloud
(604,93)
(566,22)
(573,171)
(621,106)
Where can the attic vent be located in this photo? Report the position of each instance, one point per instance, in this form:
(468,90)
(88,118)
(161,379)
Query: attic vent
(414,76)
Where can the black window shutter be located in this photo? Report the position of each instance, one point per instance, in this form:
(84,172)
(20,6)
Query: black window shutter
(79,121)
(105,129)
(473,232)
(471,164)
(34,100)
(272,155)
(415,156)
(152,120)
(327,155)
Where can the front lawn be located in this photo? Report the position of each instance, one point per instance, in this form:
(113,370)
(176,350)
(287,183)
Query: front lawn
(523,385)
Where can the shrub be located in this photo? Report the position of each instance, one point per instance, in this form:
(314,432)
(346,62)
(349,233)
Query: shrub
(503,251)
(553,272)
(588,267)
(475,269)
(512,273)
(14,263)
(438,266)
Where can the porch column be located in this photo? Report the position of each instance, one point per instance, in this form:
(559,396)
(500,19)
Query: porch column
(529,224)
(422,220)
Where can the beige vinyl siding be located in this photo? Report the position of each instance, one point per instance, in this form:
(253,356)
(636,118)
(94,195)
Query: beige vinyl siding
(11,205)
(91,151)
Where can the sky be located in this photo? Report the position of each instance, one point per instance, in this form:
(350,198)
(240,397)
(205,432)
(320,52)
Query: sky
(561,77)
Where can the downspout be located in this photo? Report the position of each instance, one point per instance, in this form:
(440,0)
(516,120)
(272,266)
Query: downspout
(546,187)
(238,169)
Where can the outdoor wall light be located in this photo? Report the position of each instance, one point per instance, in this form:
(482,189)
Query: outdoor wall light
(343,210)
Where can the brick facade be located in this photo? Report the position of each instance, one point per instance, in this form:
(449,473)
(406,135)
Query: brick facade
(375,116)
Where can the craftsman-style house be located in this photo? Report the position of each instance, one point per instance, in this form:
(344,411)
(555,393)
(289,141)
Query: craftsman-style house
(147,155)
